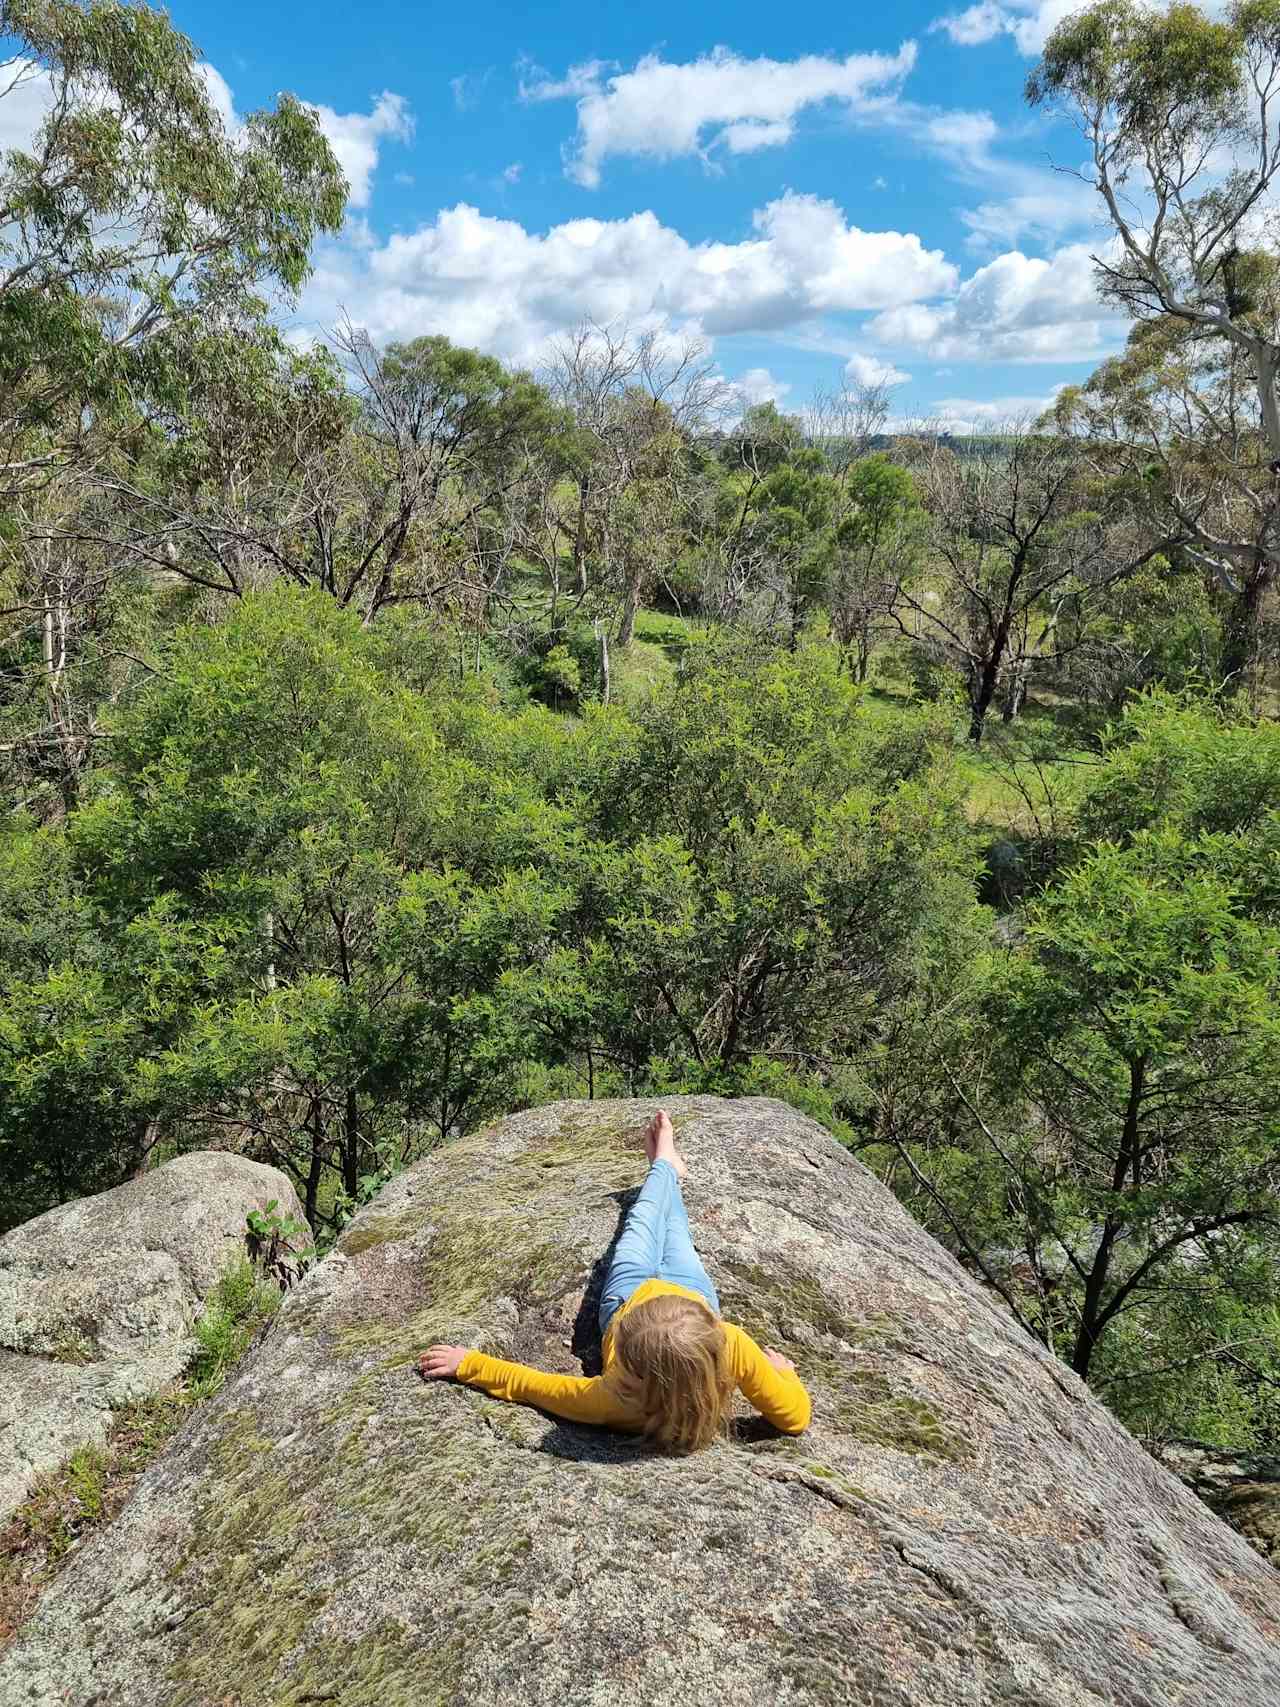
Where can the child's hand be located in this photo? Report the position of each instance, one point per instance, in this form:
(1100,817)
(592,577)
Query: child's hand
(441,1361)
(777,1360)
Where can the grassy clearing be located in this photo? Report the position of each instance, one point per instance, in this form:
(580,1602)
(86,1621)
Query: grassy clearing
(91,1488)
(1019,782)
(1008,795)
(639,671)
(663,628)
(650,660)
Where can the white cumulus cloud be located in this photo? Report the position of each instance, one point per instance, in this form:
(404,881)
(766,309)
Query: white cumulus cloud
(355,139)
(663,110)
(757,385)
(1029,22)
(1017,308)
(490,283)
(872,370)
(976,24)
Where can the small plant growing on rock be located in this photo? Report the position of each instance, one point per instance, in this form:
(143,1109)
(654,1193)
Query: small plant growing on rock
(90,1488)
(367,1188)
(69,1503)
(74,1347)
(240,1304)
(273,1242)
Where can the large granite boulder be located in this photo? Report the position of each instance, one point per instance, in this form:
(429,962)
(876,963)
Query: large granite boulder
(962,1524)
(98,1299)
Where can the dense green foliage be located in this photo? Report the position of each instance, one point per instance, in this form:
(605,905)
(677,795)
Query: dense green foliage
(389,740)
(311,904)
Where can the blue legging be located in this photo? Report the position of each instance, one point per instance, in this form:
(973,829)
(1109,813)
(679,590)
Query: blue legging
(655,1243)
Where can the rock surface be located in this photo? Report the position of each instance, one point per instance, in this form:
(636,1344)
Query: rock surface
(962,1524)
(1242,1487)
(98,1299)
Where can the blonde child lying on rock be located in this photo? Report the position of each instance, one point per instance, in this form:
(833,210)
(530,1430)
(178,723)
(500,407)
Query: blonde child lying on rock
(671,1365)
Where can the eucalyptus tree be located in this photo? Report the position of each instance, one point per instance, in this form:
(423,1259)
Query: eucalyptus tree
(130,217)
(135,231)
(878,535)
(376,478)
(732,552)
(846,422)
(1179,113)
(454,432)
(636,398)
(1016,527)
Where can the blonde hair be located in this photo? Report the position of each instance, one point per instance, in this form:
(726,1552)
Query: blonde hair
(673,1365)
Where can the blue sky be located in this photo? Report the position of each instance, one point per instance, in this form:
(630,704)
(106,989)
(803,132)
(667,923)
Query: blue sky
(812,191)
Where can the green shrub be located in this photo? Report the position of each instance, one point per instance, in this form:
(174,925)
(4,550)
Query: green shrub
(234,1311)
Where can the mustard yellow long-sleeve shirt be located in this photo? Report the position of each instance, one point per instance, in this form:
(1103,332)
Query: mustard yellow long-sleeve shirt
(775,1393)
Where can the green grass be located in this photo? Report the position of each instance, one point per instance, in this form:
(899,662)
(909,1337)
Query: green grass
(1018,781)
(650,660)
(662,628)
(1025,803)
(641,670)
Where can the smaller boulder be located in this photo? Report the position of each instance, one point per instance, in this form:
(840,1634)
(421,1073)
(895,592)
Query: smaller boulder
(99,1300)
(1242,1487)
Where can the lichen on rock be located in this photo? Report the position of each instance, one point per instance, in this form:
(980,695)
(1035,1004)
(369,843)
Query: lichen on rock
(961,1524)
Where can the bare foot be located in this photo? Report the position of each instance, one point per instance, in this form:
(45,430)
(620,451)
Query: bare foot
(660,1143)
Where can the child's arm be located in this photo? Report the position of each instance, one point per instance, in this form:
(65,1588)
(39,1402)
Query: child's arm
(577,1398)
(778,1394)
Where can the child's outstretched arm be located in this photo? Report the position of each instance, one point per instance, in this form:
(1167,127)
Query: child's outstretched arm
(770,1382)
(576,1398)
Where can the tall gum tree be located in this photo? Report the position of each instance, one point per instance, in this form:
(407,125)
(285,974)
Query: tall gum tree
(131,214)
(136,232)
(1016,526)
(1179,112)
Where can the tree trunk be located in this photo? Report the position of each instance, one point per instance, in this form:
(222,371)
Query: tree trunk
(603,635)
(988,679)
(630,605)
(863,664)
(1088,1333)
(980,698)
(351,1146)
(53,657)
(317,1166)
(1128,1167)
(1015,695)
(580,544)
(151,1133)
(1242,634)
